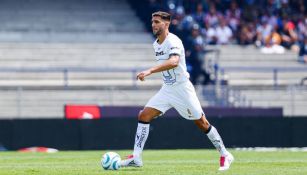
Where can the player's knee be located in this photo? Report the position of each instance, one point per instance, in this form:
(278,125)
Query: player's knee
(206,125)
(140,115)
(144,117)
(203,124)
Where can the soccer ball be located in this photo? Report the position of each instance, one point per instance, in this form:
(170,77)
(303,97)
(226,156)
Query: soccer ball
(110,161)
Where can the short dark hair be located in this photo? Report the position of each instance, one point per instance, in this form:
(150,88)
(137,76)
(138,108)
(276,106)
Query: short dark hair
(164,15)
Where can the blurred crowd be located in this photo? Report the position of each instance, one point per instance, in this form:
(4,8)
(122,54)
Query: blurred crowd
(271,25)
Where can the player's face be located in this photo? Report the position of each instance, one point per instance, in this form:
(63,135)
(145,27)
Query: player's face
(158,25)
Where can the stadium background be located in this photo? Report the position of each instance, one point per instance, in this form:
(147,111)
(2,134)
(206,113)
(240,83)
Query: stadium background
(67,74)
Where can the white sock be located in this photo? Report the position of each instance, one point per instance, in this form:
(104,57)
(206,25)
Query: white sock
(140,139)
(217,141)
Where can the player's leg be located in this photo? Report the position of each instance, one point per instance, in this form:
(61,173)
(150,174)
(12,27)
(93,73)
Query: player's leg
(226,157)
(157,105)
(212,134)
(187,104)
(145,116)
(142,132)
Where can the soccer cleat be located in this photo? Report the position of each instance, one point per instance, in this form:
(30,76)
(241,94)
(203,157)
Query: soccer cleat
(131,161)
(225,162)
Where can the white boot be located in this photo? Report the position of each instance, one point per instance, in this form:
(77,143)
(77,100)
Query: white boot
(131,161)
(225,162)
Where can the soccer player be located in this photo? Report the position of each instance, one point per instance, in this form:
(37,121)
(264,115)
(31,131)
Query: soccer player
(177,91)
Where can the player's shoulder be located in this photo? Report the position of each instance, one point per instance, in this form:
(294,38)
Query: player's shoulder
(173,38)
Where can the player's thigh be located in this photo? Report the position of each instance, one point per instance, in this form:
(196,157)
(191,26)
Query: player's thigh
(159,102)
(189,111)
(187,104)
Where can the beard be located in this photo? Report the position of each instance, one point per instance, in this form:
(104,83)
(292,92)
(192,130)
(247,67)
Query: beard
(157,33)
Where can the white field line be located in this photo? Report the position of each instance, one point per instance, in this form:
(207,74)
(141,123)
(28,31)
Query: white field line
(270,149)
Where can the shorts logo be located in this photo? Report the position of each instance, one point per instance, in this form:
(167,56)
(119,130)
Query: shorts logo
(189,112)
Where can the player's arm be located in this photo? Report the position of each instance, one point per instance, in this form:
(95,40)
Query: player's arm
(171,63)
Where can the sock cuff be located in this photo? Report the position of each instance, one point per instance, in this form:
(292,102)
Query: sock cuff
(209,129)
(144,123)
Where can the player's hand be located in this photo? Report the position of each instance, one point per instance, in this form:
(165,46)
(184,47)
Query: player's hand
(141,76)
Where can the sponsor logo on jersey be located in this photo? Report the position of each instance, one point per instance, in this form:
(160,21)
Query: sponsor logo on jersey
(160,53)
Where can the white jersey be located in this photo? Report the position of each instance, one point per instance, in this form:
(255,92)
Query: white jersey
(177,90)
(172,45)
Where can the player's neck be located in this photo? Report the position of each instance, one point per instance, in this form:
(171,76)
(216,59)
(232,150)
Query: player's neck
(162,37)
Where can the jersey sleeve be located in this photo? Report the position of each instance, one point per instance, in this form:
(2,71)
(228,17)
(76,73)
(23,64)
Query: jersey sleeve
(174,48)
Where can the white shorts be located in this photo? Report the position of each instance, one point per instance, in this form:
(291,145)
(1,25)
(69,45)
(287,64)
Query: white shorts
(181,96)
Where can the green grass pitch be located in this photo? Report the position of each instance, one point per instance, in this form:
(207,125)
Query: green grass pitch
(177,162)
